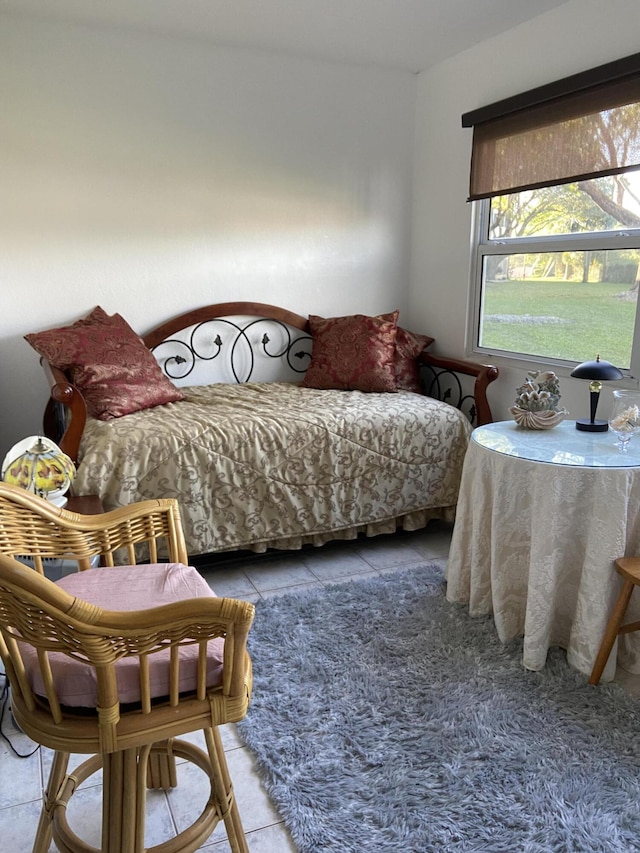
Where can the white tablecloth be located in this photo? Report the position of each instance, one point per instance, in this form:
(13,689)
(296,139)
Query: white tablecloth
(534,541)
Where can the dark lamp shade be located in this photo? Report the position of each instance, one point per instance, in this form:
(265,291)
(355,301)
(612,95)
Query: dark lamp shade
(601,370)
(597,371)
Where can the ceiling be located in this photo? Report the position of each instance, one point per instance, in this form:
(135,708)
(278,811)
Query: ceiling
(410,35)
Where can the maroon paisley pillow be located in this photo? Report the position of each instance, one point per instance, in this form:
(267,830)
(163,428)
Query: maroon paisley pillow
(409,345)
(109,363)
(354,353)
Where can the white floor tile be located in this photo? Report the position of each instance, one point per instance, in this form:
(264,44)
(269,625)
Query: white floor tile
(383,554)
(230,582)
(270,839)
(334,564)
(188,798)
(299,589)
(276,574)
(25,777)
(18,827)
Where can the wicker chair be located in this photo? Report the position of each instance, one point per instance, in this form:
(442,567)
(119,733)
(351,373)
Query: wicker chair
(188,659)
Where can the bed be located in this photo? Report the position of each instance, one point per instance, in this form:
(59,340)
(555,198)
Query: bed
(257,455)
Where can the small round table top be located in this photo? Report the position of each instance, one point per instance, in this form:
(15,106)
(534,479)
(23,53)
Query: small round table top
(561,445)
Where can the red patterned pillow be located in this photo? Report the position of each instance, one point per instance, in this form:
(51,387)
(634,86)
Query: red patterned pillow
(354,353)
(409,345)
(109,363)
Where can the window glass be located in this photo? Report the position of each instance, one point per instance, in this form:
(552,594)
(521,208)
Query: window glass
(557,272)
(605,204)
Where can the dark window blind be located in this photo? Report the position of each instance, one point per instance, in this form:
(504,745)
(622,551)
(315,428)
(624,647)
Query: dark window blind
(582,127)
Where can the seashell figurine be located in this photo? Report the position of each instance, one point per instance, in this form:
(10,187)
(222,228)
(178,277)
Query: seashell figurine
(536,406)
(545,419)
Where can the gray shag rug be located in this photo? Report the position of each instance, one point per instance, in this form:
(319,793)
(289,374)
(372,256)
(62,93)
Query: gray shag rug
(386,719)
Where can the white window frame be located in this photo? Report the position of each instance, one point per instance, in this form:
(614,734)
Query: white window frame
(482,246)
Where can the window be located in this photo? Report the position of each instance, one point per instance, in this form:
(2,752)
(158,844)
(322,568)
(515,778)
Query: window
(556,189)
(557,271)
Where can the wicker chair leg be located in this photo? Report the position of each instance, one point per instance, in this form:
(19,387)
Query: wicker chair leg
(124,800)
(57,775)
(63,836)
(223,789)
(123,803)
(161,769)
(125,777)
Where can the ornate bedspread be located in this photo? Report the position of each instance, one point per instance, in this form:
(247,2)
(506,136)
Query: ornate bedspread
(276,465)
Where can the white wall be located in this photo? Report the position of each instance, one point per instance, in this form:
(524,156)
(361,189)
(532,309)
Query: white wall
(578,35)
(153,175)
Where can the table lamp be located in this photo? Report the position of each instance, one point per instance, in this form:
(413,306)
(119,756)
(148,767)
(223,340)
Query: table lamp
(38,465)
(597,371)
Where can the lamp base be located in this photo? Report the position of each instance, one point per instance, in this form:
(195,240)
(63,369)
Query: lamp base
(592,426)
(56,499)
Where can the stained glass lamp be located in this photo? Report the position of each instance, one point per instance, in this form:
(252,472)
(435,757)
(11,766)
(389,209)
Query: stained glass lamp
(38,465)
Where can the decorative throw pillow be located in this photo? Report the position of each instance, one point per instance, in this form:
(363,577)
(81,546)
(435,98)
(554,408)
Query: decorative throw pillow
(354,353)
(109,363)
(409,345)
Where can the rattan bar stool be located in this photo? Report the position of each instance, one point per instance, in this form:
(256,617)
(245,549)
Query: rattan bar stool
(122,683)
(629,569)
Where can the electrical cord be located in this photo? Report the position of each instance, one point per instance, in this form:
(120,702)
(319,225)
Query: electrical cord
(4,704)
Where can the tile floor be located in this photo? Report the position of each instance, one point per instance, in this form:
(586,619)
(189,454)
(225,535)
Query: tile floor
(251,578)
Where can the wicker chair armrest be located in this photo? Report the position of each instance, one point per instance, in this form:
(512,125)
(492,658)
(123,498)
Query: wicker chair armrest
(32,525)
(189,620)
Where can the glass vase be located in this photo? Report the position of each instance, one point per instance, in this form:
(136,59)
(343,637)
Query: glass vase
(624,420)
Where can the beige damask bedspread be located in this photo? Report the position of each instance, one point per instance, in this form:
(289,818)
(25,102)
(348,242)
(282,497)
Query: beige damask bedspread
(277,465)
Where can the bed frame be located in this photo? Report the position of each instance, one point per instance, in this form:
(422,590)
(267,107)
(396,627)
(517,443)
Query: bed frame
(247,336)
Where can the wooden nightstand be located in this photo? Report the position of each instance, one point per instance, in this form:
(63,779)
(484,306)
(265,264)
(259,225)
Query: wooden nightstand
(84,504)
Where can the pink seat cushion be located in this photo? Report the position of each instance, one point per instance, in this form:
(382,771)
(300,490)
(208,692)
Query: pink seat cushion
(129,588)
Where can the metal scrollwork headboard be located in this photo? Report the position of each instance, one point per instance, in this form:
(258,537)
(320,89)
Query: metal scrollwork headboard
(244,347)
